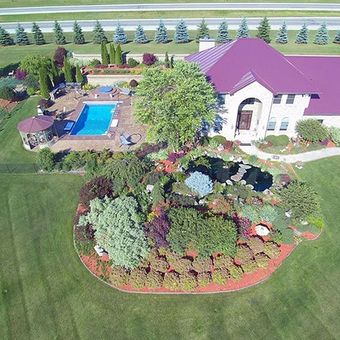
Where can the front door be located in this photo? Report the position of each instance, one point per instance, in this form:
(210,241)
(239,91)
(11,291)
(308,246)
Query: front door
(244,120)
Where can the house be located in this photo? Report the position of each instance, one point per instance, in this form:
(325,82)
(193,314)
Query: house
(263,92)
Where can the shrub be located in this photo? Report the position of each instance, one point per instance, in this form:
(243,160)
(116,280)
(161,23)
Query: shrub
(335,135)
(249,266)
(251,212)
(243,225)
(199,183)
(59,56)
(158,263)
(243,254)
(20,74)
(46,159)
(268,213)
(271,250)
(220,276)
(203,279)
(94,62)
(97,187)
(311,130)
(149,59)
(178,264)
(256,245)
(171,281)
(222,261)
(7,93)
(137,278)
(154,279)
(316,221)
(133,83)
(281,140)
(188,281)
(180,200)
(119,276)
(285,236)
(158,229)
(235,272)
(132,62)
(218,140)
(262,261)
(201,266)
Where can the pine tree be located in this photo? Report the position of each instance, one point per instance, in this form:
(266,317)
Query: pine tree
(322,36)
(161,36)
(112,53)
(44,83)
(38,35)
(79,75)
(99,34)
(181,33)
(167,60)
(78,36)
(337,38)
(202,31)
(243,30)
(104,54)
(59,34)
(282,35)
(21,37)
(5,38)
(264,30)
(140,36)
(302,36)
(68,71)
(120,36)
(118,55)
(223,33)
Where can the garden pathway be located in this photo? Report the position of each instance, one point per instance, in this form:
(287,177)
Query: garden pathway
(299,157)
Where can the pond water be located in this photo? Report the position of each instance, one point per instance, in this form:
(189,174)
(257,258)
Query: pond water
(221,171)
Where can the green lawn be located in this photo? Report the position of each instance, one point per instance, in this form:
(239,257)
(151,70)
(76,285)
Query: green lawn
(46,293)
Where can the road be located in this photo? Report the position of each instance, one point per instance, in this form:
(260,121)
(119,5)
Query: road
(174,7)
(293,23)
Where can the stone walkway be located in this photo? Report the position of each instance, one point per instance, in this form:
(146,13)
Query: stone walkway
(299,157)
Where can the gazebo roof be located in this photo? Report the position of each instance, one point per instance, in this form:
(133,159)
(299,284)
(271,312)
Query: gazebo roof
(35,124)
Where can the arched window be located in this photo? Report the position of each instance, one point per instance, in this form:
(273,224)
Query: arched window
(284,124)
(271,124)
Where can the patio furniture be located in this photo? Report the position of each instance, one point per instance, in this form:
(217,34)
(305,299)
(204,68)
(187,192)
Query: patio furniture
(114,123)
(68,127)
(125,140)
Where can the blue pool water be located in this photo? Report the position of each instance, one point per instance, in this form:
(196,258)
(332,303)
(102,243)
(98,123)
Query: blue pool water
(94,119)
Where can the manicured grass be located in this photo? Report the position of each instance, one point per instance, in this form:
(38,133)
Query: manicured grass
(45,292)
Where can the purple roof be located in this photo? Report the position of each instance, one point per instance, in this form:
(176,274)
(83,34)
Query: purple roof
(325,72)
(233,65)
(35,124)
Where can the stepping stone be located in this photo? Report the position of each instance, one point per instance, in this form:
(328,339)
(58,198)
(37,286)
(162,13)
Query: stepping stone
(243,182)
(229,182)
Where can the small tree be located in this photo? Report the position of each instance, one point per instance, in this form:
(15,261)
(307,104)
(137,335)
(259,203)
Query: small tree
(68,71)
(322,36)
(223,33)
(282,35)
(79,75)
(243,30)
(311,130)
(118,55)
(46,159)
(120,35)
(302,36)
(161,36)
(38,35)
(5,38)
(181,33)
(59,34)
(78,36)
(202,31)
(112,53)
(264,30)
(44,83)
(337,38)
(59,56)
(140,36)
(167,60)
(104,54)
(21,37)
(99,34)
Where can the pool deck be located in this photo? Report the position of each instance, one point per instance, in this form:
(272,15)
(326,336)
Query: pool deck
(73,104)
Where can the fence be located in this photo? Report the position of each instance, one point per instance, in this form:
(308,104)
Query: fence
(26,168)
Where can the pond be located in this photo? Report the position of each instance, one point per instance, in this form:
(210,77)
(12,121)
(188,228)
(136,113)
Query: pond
(219,170)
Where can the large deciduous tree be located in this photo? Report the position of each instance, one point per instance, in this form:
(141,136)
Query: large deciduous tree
(174,103)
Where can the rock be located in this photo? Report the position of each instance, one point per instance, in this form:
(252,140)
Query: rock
(236,177)
(288,214)
(262,230)
(231,158)
(241,171)
(250,186)
(229,182)
(220,147)
(149,188)
(266,192)
(243,182)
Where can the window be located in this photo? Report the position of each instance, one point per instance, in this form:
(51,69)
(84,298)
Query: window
(277,99)
(221,99)
(320,121)
(284,124)
(271,124)
(290,99)
(249,101)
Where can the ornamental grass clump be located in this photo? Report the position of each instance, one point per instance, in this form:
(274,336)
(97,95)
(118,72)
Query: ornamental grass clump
(153,279)
(171,281)
(220,276)
(203,279)
(119,276)
(199,183)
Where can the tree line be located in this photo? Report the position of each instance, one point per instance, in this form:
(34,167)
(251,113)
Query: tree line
(161,36)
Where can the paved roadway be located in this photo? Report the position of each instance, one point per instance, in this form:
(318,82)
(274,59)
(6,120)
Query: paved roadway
(293,23)
(174,7)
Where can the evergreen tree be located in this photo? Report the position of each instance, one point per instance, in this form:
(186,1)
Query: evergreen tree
(161,36)
(223,33)
(181,33)
(322,37)
(38,35)
(167,60)
(78,36)
(79,75)
(54,73)
(302,36)
(243,30)
(44,83)
(104,54)
(202,31)
(120,36)
(5,38)
(172,61)
(337,38)
(112,53)
(282,35)
(21,37)
(140,36)
(68,71)
(118,55)
(59,34)
(99,34)
(264,30)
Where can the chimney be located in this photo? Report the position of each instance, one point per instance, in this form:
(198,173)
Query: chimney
(206,43)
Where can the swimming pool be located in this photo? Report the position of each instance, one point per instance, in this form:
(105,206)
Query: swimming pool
(94,119)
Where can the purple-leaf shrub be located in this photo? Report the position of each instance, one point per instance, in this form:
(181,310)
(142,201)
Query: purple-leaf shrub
(158,229)
(59,56)
(243,225)
(173,156)
(20,74)
(149,59)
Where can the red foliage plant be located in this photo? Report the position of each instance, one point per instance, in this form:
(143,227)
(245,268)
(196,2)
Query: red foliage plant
(149,59)
(59,56)
(96,187)
(243,225)
(20,74)
(158,229)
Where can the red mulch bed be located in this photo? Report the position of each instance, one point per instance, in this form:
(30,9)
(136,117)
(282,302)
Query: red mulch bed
(92,262)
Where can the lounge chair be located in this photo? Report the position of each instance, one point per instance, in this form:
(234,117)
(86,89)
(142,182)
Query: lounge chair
(125,140)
